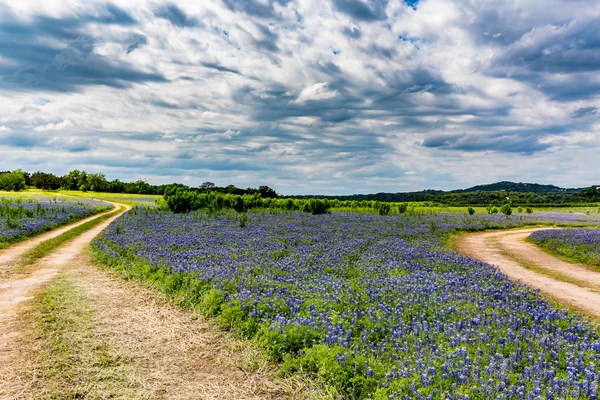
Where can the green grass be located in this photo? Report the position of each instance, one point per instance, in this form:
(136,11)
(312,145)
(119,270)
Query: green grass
(46,247)
(124,198)
(69,360)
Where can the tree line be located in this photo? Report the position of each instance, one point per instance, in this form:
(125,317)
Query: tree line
(18,180)
(480,198)
(97,182)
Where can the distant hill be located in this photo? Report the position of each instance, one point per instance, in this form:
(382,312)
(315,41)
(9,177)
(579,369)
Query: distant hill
(495,193)
(515,187)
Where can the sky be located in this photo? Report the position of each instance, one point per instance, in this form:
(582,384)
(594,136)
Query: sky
(305,96)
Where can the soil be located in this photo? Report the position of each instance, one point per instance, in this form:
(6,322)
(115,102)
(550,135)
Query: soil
(573,285)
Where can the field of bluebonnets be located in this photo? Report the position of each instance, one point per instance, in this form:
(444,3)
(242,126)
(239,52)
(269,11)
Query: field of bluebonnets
(580,244)
(371,306)
(21,217)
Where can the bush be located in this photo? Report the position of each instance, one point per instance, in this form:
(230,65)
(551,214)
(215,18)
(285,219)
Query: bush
(384,208)
(402,208)
(243,220)
(529,210)
(506,209)
(471,210)
(491,209)
(316,206)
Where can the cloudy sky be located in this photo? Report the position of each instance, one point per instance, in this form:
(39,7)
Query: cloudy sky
(306,96)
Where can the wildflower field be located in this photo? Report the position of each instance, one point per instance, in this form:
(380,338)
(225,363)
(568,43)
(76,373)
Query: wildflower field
(581,244)
(21,217)
(369,306)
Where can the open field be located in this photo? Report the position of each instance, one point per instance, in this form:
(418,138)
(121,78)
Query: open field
(123,198)
(343,305)
(27,215)
(419,208)
(366,305)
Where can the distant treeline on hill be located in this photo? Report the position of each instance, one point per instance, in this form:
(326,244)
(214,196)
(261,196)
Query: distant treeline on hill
(482,195)
(583,196)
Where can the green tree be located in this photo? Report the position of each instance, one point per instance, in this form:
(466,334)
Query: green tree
(266,192)
(45,181)
(12,181)
(97,182)
(402,208)
(74,179)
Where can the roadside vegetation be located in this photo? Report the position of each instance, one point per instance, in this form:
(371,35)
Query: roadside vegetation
(48,246)
(577,245)
(22,217)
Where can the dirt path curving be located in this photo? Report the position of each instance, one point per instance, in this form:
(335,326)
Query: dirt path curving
(10,255)
(17,289)
(574,285)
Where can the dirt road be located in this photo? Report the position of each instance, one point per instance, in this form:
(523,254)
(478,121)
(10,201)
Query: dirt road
(17,289)
(571,284)
(11,254)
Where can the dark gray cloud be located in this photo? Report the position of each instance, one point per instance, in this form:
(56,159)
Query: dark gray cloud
(368,10)
(268,39)
(557,49)
(559,60)
(176,16)
(255,8)
(585,112)
(353,32)
(513,142)
(22,139)
(136,42)
(67,67)
(114,15)
(221,68)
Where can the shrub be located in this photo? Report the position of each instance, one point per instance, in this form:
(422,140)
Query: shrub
(529,210)
(491,209)
(384,208)
(506,209)
(317,206)
(243,220)
(402,208)
(471,210)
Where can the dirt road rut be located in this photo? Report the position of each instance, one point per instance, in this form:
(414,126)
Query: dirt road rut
(571,284)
